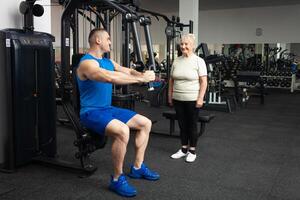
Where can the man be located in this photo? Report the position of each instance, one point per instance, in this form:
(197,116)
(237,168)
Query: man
(95,75)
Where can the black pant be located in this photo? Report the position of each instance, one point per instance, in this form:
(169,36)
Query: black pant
(187,115)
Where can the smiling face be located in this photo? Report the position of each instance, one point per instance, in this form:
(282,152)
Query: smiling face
(187,44)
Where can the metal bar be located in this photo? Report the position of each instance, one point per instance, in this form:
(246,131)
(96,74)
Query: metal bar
(65,46)
(137,44)
(126,59)
(110,3)
(154,14)
(76,33)
(191,26)
(107,28)
(145,22)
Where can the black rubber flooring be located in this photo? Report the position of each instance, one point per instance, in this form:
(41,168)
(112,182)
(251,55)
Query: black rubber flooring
(250,154)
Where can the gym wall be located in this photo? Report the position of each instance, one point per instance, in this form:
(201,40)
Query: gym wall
(278,24)
(12,18)
(43,23)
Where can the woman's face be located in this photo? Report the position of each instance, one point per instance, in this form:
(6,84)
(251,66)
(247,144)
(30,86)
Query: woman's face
(186,46)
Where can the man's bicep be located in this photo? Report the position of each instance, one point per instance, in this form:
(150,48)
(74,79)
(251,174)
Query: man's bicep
(91,70)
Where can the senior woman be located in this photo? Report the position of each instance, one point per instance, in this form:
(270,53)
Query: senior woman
(187,87)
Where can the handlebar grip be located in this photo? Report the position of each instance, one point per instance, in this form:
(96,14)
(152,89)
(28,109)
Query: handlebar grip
(150,86)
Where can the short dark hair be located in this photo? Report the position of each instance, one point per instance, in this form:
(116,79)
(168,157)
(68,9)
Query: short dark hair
(93,32)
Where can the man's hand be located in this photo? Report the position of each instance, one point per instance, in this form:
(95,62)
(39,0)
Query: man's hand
(148,76)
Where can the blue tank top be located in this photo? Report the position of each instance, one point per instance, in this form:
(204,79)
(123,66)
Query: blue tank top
(95,94)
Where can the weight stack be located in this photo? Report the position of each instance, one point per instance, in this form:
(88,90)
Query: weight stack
(27,102)
(124,100)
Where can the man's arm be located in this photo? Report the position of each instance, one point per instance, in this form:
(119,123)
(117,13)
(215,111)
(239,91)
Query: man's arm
(89,69)
(126,70)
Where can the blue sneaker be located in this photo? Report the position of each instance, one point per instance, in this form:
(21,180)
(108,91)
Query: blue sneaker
(143,172)
(122,187)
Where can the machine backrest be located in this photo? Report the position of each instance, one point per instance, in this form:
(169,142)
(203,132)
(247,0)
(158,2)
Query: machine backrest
(76,96)
(96,141)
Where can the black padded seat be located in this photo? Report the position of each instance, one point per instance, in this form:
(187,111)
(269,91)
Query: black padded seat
(202,119)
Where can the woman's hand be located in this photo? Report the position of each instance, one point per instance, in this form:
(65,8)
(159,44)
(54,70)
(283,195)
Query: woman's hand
(170,101)
(199,103)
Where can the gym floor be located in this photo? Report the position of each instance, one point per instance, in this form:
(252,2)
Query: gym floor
(250,154)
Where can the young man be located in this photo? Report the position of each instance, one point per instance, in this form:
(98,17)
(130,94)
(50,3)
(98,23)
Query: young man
(95,75)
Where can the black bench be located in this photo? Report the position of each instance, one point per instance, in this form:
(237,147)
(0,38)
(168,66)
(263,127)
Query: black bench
(249,76)
(203,119)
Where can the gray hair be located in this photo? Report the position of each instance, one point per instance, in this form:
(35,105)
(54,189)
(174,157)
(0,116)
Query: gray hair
(191,37)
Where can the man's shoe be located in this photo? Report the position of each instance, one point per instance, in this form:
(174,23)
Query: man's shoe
(178,154)
(122,187)
(190,157)
(143,172)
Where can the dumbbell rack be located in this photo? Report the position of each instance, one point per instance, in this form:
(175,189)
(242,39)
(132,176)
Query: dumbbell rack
(284,82)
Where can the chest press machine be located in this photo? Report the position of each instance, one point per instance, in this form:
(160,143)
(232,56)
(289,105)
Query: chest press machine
(86,140)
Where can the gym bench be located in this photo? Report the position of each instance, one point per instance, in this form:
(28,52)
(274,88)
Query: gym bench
(202,119)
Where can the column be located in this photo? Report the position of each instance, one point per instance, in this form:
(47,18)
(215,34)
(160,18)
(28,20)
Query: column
(189,10)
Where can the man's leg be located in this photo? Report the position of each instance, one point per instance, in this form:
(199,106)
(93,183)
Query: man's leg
(142,125)
(103,121)
(120,135)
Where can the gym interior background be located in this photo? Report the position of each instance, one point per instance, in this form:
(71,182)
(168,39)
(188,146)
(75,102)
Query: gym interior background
(250,148)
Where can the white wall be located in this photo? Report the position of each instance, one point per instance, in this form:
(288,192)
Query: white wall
(43,23)
(12,18)
(279,24)
(189,10)
(56,13)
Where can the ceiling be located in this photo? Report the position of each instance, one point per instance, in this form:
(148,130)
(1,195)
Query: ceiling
(169,6)
(228,4)
(164,6)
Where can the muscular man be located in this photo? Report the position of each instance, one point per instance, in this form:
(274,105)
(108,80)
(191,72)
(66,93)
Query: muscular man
(95,75)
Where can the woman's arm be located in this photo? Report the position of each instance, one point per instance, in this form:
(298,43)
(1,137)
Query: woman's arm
(170,92)
(202,91)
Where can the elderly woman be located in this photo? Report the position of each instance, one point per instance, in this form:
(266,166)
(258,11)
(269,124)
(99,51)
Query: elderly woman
(187,87)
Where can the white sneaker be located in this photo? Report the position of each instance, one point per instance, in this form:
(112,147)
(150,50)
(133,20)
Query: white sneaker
(190,157)
(178,154)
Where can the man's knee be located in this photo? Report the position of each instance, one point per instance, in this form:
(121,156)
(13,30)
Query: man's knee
(123,133)
(148,123)
(118,131)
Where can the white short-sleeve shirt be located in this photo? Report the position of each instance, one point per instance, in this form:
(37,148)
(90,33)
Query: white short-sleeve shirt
(186,72)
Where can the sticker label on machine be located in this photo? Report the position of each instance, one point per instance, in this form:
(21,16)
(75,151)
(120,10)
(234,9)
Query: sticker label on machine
(67,42)
(7,42)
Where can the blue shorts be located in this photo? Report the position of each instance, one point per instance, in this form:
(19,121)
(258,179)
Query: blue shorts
(97,119)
